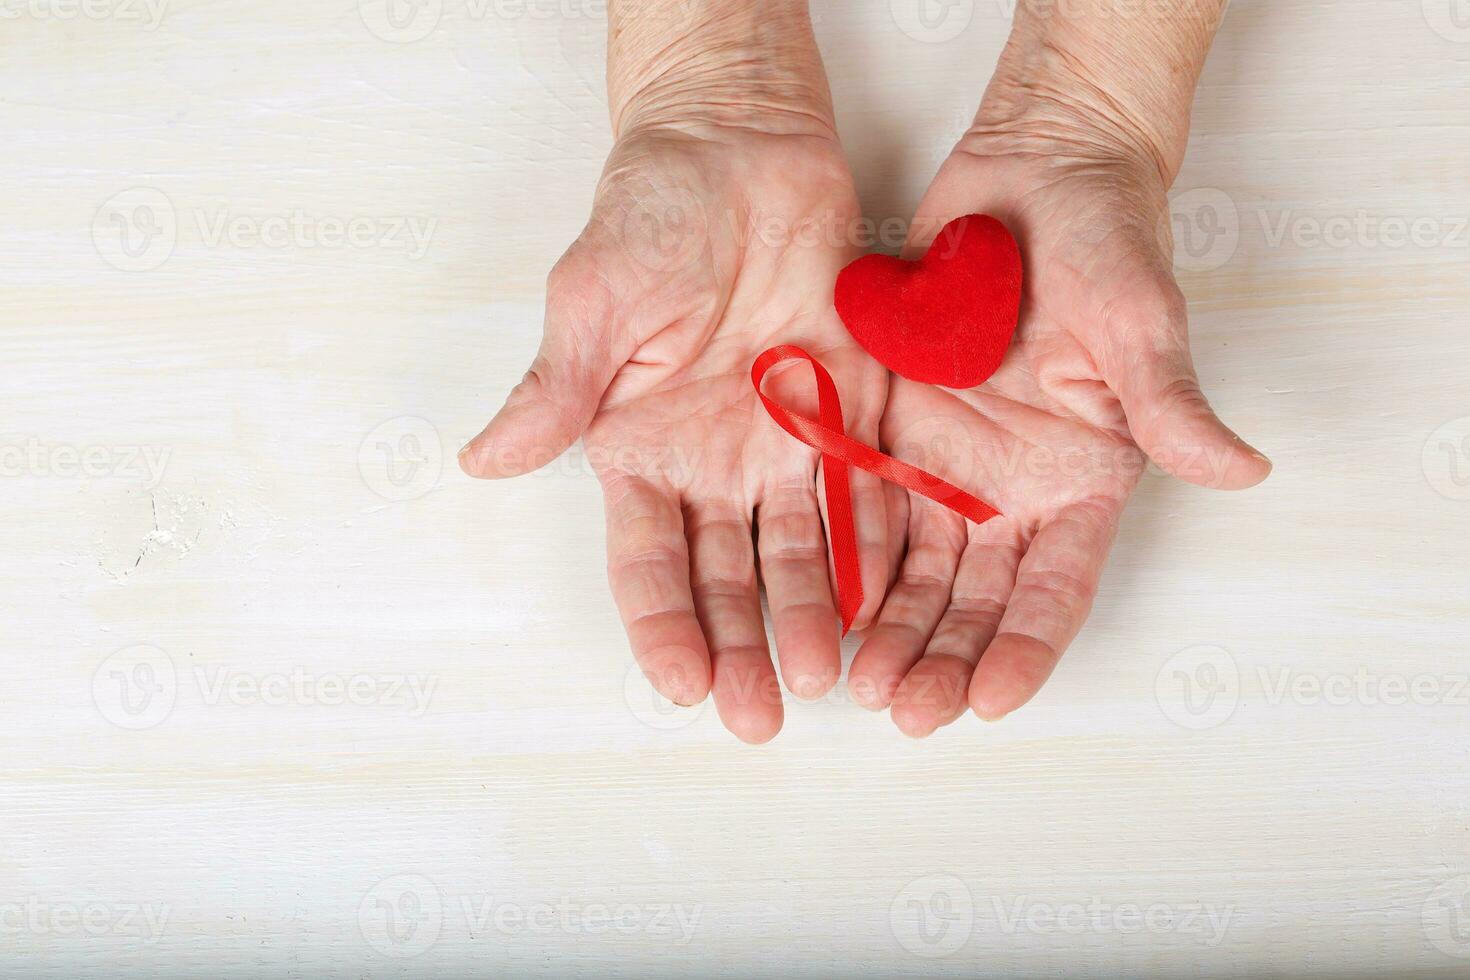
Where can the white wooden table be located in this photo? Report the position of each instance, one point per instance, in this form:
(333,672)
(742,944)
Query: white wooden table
(288,696)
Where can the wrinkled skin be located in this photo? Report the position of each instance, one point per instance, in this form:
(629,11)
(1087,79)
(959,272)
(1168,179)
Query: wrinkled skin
(1100,366)
(708,244)
(711,242)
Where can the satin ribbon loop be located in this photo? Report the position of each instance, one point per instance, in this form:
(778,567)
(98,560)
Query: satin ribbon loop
(827,434)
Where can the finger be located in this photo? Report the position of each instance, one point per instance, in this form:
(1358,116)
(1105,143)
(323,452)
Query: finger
(1150,367)
(648,568)
(1054,587)
(896,501)
(913,607)
(935,691)
(727,601)
(552,406)
(793,561)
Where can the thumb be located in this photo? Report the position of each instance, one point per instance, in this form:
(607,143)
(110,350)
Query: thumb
(557,399)
(1153,374)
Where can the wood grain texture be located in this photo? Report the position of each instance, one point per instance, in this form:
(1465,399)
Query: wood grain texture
(289,697)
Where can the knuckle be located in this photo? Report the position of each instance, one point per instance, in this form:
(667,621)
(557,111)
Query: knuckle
(579,285)
(1058,589)
(1183,393)
(1156,316)
(977,611)
(791,534)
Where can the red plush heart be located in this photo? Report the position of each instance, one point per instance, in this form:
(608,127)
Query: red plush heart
(946,319)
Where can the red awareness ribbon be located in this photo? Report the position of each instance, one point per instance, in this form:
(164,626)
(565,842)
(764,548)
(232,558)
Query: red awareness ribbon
(827,435)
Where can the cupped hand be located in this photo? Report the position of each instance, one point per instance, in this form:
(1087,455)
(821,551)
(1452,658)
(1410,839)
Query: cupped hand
(1099,374)
(709,242)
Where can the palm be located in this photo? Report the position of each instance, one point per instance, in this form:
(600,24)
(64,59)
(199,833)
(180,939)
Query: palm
(718,280)
(1100,363)
(704,250)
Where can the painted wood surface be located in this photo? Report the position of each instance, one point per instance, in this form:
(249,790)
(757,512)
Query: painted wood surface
(288,696)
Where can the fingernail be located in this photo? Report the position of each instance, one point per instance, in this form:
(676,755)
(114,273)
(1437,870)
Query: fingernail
(466,449)
(808,687)
(670,676)
(989,717)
